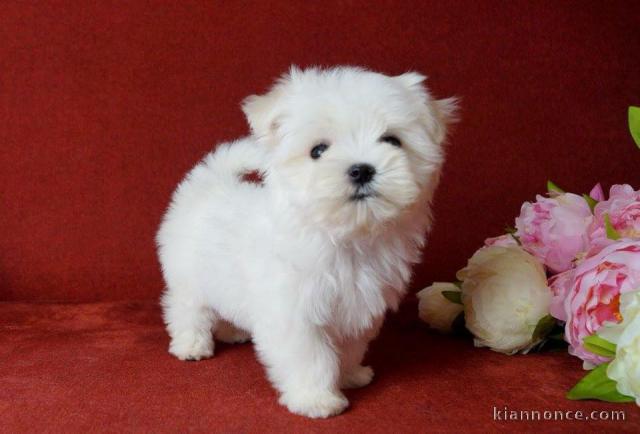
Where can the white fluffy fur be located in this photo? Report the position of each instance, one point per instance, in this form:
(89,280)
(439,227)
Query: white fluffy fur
(295,264)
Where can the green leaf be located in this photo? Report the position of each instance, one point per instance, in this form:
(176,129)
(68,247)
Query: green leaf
(634,124)
(596,385)
(599,346)
(453,296)
(458,283)
(510,230)
(590,201)
(612,234)
(544,327)
(552,188)
(516,238)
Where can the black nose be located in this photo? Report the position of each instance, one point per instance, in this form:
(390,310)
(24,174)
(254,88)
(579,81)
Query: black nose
(360,174)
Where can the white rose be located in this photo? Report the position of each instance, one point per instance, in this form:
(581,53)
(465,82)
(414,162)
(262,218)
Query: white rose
(435,309)
(505,294)
(625,368)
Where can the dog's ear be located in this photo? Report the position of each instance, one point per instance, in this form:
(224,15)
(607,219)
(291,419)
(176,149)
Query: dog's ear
(446,113)
(441,113)
(412,80)
(262,112)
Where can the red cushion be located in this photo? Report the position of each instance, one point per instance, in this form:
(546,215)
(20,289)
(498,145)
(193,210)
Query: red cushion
(104,367)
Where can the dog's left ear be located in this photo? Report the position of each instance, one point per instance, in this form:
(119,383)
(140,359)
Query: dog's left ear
(412,80)
(441,113)
(446,112)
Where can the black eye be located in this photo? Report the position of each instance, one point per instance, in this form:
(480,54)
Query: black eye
(317,150)
(392,140)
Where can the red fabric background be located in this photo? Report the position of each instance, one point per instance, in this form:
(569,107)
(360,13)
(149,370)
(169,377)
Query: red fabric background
(105,105)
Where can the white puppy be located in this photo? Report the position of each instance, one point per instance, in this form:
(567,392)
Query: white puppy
(306,263)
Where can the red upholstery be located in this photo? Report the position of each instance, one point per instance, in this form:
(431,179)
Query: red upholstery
(102,367)
(103,107)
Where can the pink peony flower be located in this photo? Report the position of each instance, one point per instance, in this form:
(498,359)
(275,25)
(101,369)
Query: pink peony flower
(597,193)
(623,209)
(589,295)
(502,241)
(555,229)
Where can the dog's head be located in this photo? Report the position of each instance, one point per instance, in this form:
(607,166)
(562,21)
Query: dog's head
(352,149)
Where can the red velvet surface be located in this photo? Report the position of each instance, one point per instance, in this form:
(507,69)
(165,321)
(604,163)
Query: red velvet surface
(105,105)
(104,367)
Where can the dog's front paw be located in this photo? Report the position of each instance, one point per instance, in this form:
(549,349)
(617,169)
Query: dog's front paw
(315,404)
(191,346)
(358,376)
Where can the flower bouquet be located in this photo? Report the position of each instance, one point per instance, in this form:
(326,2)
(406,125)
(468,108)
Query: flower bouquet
(569,270)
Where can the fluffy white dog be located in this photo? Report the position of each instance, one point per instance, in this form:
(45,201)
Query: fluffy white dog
(307,262)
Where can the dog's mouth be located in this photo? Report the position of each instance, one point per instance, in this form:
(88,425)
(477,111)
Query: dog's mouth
(362,194)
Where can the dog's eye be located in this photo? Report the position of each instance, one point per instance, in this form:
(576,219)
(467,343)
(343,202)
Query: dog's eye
(317,150)
(392,140)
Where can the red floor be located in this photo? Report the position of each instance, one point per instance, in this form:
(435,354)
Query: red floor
(104,367)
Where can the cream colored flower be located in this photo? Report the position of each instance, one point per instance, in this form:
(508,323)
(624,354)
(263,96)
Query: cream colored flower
(435,309)
(625,368)
(505,294)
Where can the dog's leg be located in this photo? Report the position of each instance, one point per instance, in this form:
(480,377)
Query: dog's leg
(303,366)
(189,323)
(353,374)
(227,332)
